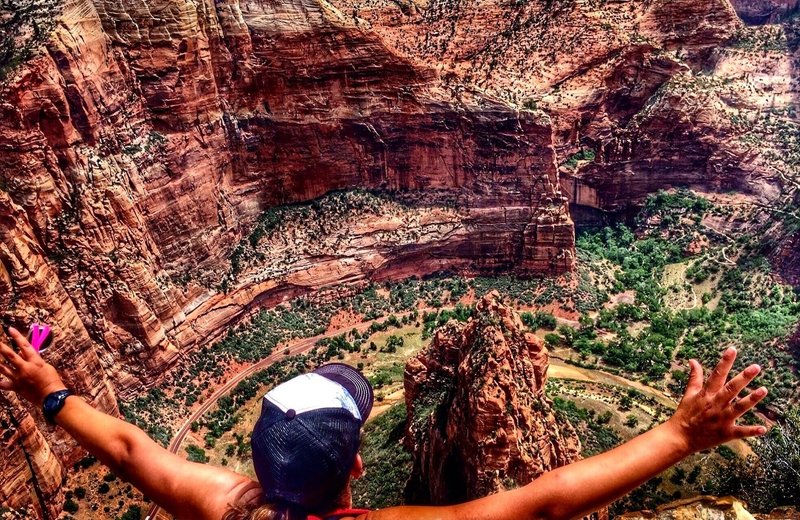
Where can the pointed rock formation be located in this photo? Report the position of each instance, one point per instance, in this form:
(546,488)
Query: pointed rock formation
(479,420)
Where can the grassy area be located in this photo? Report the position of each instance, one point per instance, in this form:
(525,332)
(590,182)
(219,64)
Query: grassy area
(593,430)
(686,305)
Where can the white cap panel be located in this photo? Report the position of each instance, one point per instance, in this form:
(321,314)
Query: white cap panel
(311,392)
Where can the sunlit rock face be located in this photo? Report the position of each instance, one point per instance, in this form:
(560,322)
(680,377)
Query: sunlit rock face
(142,146)
(710,508)
(593,67)
(478,418)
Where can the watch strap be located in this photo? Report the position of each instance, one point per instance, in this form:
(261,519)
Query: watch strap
(53,404)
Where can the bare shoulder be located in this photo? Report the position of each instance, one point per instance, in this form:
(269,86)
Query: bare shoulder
(231,489)
(242,490)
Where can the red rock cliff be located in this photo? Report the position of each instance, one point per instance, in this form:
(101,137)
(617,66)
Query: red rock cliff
(765,11)
(479,421)
(604,72)
(142,141)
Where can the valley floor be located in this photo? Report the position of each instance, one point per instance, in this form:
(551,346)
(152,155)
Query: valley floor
(644,300)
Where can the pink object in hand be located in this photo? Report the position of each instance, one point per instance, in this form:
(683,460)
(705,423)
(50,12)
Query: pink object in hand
(40,336)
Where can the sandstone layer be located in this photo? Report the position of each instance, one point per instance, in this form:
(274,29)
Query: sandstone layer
(478,419)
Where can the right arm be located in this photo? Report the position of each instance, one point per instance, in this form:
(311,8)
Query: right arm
(183,488)
(705,418)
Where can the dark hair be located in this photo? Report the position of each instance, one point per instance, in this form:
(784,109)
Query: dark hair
(285,510)
(265,512)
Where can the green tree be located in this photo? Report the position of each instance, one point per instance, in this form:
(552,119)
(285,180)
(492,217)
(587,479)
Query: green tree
(133,513)
(70,506)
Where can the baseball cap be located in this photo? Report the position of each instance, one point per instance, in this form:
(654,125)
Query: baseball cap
(307,437)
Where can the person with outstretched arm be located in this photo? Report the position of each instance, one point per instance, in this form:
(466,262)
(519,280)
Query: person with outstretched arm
(305,449)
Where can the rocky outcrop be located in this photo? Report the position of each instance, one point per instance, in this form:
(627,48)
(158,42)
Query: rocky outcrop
(32,475)
(710,508)
(697,508)
(479,420)
(787,258)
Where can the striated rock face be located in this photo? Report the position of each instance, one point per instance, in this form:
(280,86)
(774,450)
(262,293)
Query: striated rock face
(479,421)
(140,149)
(592,67)
(32,476)
(765,11)
(141,142)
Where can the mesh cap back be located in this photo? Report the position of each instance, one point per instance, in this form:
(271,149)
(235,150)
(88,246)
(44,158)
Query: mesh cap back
(306,440)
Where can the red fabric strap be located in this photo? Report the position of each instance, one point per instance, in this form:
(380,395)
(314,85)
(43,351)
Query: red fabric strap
(335,515)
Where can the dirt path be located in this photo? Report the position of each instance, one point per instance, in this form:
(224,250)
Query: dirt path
(559,369)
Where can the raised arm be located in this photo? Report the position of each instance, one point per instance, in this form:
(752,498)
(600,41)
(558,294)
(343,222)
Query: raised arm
(706,417)
(185,489)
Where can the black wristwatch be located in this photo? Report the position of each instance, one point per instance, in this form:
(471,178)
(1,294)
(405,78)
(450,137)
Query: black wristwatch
(53,404)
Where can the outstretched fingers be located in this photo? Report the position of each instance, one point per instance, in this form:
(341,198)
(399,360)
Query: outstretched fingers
(720,373)
(11,357)
(746,403)
(695,383)
(740,432)
(738,383)
(6,370)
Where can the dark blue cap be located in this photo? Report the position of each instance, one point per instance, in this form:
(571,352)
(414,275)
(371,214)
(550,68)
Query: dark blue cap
(306,440)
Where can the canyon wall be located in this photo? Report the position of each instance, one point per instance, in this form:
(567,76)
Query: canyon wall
(144,138)
(478,418)
(597,69)
(765,11)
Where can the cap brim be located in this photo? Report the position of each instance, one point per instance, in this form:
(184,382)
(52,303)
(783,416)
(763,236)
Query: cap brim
(354,382)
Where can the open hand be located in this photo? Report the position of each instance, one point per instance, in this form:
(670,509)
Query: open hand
(708,412)
(26,373)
